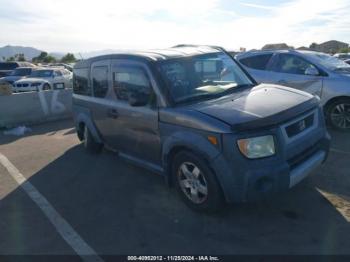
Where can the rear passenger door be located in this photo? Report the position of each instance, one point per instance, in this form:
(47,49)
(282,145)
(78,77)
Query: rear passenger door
(258,66)
(135,128)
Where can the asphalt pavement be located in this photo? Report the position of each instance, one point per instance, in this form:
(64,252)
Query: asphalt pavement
(112,207)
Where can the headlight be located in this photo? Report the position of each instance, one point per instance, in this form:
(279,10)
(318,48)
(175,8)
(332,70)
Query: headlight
(257,147)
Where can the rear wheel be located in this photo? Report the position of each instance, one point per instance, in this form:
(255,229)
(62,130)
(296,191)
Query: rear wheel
(196,183)
(90,143)
(338,114)
(46,87)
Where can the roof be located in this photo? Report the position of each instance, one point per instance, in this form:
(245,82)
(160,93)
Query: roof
(155,54)
(260,52)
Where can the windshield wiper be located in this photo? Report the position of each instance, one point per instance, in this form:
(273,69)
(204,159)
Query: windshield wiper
(209,96)
(197,98)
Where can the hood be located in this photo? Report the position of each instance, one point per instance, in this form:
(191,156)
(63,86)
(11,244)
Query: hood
(12,78)
(31,80)
(261,106)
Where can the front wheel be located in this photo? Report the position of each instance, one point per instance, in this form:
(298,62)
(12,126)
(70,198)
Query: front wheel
(196,183)
(89,142)
(338,114)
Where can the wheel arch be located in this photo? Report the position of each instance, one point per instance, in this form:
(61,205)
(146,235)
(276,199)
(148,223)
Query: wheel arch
(333,99)
(188,142)
(82,121)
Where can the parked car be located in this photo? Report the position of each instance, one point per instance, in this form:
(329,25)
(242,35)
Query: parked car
(7,67)
(62,65)
(17,74)
(317,73)
(342,56)
(45,79)
(192,114)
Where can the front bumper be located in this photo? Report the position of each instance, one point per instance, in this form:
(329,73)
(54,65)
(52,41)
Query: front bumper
(256,179)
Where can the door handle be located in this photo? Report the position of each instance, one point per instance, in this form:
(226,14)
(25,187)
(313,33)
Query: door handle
(112,113)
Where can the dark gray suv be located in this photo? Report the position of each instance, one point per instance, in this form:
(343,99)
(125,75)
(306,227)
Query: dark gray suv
(193,115)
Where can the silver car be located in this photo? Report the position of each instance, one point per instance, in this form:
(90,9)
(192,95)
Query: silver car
(317,73)
(45,79)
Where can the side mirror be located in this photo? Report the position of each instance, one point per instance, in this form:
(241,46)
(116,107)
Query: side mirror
(138,98)
(312,71)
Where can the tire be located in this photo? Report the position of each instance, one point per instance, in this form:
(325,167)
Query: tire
(202,191)
(89,142)
(46,87)
(338,114)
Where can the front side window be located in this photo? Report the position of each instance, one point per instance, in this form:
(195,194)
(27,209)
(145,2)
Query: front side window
(21,72)
(99,75)
(258,62)
(291,64)
(58,73)
(202,77)
(42,73)
(130,79)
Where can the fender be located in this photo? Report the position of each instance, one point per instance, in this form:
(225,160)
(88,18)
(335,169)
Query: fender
(191,141)
(83,115)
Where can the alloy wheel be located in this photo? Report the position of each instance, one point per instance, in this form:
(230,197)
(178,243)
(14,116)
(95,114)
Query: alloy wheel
(340,116)
(192,182)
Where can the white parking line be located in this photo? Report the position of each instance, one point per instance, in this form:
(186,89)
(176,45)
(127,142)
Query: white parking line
(61,225)
(340,203)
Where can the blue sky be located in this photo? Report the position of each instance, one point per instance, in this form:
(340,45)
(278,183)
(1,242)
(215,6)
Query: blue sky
(79,26)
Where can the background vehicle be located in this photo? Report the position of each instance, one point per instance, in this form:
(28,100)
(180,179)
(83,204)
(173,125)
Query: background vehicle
(317,73)
(342,56)
(45,79)
(191,114)
(17,74)
(7,67)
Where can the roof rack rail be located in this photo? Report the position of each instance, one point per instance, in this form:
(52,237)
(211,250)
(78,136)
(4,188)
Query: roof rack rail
(191,45)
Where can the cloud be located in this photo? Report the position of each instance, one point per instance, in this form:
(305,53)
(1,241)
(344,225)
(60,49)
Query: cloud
(265,7)
(79,25)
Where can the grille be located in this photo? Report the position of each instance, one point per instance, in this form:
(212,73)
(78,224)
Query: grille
(300,126)
(301,157)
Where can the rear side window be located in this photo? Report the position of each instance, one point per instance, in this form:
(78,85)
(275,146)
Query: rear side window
(80,82)
(99,76)
(258,62)
(127,79)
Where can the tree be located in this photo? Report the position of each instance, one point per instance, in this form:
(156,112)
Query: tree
(49,59)
(313,46)
(344,50)
(20,57)
(10,59)
(68,58)
(44,58)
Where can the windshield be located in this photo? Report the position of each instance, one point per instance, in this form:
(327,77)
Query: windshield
(202,77)
(41,73)
(21,72)
(330,62)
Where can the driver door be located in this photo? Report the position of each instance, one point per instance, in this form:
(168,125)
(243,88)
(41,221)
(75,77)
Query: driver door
(135,130)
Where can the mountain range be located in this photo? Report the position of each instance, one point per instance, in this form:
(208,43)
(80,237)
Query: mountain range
(30,52)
